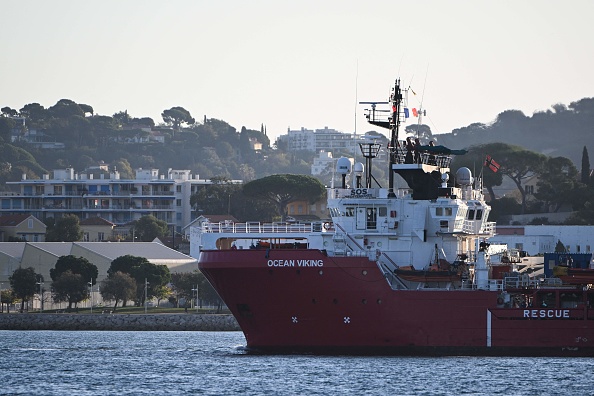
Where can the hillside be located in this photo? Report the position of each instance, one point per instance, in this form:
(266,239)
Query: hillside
(214,148)
(560,132)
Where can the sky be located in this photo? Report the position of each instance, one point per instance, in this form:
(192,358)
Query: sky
(294,64)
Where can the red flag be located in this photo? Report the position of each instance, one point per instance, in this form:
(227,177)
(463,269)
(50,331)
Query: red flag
(415,113)
(491,163)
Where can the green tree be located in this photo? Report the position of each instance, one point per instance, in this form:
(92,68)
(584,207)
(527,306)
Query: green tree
(584,215)
(162,293)
(125,264)
(76,265)
(9,112)
(123,166)
(585,167)
(35,113)
(117,287)
(23,283)
(6,297)
(122,117)
(71,277)
(518,164)
(557,181)
(560,247)
(176,116)
(280,190)
(6,126)
(70,287)
(142,271)
(65,108)
(66,229)
(217,198)
(183,284)
(147,228)
(86,108)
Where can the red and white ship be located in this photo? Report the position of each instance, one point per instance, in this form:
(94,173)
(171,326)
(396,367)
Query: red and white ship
(400,270)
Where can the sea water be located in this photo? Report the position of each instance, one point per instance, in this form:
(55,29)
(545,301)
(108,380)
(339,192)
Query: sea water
(215,363)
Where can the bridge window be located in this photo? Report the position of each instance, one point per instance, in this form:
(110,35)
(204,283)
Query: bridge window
(470,214)
(371,218)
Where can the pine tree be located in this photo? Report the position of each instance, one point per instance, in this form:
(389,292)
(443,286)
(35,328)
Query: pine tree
(560,247)
(585,166)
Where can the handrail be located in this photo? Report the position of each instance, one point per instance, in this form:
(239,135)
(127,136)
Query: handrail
(256,227)
(348,235)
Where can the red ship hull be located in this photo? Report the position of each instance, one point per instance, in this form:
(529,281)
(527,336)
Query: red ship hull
(290,301)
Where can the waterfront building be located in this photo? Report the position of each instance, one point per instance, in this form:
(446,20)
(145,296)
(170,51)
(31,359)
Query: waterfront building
(42,256)
(100,193)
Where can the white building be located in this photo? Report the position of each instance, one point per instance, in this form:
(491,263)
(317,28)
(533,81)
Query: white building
(321,139)
(98,193)
(540,239)
(323,163)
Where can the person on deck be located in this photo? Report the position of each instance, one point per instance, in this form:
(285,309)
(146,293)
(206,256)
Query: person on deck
(409,151)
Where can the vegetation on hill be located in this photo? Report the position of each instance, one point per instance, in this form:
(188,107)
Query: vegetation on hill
(547,144)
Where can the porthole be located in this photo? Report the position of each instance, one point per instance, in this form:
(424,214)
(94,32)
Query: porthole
(335,301)
(364,301)
(321,272)
(364,272)
(379,300)
(379,244)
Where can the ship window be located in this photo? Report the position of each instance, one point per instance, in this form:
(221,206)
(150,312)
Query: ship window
(350,212)
(470,214)
(443,223)
(479,214)
(448,211)
(587,248)
(439,211)
(383,211)
(371,218)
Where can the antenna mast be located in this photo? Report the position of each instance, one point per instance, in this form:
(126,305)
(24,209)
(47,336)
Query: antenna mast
(396,100)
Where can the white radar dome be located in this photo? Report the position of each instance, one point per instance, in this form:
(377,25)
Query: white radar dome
(464,176)
(343,166)
(358,168)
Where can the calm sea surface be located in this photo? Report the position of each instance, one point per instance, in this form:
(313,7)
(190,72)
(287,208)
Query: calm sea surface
(214,363)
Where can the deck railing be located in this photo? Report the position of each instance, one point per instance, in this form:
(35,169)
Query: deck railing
(260,228)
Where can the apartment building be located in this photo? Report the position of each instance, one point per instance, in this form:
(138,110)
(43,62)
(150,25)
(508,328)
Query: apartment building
(104,194)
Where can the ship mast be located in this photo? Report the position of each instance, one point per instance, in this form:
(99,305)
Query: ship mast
(396,100)
(374,117)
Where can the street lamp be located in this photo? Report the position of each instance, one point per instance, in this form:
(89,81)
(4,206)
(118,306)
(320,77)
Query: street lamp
(145,294)
(40,295)
(91,286)
(197,297)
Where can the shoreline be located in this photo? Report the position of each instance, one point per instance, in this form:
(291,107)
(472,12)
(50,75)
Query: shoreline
(118,322)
